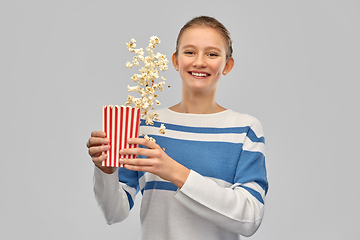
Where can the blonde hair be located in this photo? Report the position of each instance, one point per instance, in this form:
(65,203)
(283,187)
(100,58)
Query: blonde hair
(206,21)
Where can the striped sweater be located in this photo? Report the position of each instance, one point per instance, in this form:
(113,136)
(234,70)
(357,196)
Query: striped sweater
(222,198)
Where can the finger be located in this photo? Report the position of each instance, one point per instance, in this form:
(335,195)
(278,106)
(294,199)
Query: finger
(136,161)
(138,168)
(98,134)
(142,141)
(95,150)
(150,153)
(98,160)
(96,141)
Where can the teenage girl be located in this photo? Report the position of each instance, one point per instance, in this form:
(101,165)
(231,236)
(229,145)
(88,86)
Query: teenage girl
(210,182)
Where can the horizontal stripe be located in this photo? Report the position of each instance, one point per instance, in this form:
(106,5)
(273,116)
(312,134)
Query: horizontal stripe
(205,130)
(254,147)
(254,193)
(252,185)
(256,187)
(226,137)
(252,136)
(160,185)
(181,128)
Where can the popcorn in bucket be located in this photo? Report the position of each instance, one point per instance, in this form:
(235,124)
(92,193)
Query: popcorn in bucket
(122,123)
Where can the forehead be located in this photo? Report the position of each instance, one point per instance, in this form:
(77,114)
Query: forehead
(200,36)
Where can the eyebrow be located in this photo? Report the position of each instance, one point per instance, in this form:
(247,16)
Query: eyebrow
(207,48)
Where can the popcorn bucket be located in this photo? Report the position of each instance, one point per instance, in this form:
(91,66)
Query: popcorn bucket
(120,124)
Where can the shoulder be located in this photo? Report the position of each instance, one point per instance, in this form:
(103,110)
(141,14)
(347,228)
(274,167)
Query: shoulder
(245,120)
(242,118)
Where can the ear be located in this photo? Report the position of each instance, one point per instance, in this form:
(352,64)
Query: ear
(175,62)
(228,66)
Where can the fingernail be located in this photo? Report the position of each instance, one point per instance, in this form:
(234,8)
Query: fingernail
(121,160)
(129,140)
(121,151)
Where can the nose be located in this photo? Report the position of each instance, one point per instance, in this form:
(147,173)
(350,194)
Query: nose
(199,61)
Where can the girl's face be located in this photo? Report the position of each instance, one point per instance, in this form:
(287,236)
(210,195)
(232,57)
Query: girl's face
(201,59)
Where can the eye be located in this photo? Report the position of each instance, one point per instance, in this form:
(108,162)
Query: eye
(189,52)
(213,54)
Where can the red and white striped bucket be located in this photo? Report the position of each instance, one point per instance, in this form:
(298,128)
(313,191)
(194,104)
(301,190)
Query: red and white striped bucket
(120,124)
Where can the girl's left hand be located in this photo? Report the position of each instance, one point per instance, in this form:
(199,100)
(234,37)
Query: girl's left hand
(157,162)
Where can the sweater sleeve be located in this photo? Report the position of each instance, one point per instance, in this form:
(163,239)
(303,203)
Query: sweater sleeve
(239,207)
(114,197)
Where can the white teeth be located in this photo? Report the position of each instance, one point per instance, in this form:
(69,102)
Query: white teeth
(198,74)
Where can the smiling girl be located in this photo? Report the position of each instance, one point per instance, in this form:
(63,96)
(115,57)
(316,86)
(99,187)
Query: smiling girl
(211,182)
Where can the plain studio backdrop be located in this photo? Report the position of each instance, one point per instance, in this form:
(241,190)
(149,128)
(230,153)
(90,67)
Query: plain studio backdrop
(296,70)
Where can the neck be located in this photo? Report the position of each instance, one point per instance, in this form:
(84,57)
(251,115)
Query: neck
(198,103)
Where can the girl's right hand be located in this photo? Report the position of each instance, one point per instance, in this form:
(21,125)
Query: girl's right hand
(97,144)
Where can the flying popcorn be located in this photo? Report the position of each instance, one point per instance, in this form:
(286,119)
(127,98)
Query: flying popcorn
(148,74)
(162,129)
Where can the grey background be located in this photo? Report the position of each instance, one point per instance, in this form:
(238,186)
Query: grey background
(296,70)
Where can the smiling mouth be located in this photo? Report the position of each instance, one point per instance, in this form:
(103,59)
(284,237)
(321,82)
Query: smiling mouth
(198,74)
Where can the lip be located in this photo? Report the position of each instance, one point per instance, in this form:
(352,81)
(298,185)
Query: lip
(199,74)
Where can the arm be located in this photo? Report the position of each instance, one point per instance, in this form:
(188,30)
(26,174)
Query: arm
(114,198)
(237,207)
(233,209)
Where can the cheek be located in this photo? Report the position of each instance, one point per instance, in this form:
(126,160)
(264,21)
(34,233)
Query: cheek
(218,66)
(183,62)
(181,71)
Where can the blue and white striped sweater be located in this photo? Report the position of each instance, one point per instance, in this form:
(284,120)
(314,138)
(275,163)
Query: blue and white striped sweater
(227,183)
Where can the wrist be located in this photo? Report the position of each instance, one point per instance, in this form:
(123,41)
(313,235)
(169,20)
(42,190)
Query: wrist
(181,176)
(107,170)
